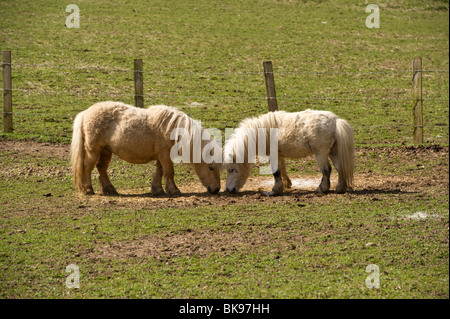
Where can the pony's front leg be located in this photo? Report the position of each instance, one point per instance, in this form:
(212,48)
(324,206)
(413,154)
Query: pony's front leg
(157,188)
(168,172)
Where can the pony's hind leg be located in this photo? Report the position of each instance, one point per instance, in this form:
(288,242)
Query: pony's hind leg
(277,188)
(102,166)
(286,180)
(157,188)
(90,160)
(325,168)
(341,187)
(278,185)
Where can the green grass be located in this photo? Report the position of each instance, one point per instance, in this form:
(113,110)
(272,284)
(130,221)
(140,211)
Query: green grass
(249,246)
(295,246)
(212,54)
(329,260)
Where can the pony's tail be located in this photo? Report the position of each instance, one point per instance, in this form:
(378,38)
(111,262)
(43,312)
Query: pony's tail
(345,151)
(78,152)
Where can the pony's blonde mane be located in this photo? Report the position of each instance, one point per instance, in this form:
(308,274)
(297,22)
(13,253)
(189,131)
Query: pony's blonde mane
(170,118)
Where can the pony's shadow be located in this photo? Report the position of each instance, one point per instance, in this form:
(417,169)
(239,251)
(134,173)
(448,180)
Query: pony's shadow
(359,192)
(303,192)
(382,192)
(259,193)
(163,196)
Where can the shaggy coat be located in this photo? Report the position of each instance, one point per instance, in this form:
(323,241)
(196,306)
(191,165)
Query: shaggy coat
(135,135)
(300,134)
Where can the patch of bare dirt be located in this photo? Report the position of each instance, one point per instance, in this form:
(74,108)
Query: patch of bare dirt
(369,186)
(414,180)
(190,242)
(35,149)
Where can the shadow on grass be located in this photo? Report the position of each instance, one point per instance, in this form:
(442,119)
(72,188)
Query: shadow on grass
(259,193)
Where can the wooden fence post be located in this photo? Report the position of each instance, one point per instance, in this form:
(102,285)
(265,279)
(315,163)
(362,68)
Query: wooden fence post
(417,101)
(270,86)
(138,83)
(7,93)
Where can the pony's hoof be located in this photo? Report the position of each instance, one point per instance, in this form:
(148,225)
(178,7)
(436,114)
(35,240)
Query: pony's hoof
(158,192)
(320,192)
(110,192)
(344,190)
(272,194)
(89,192)
(174,192)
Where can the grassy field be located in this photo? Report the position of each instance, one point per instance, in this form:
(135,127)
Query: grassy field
(298,245)
(212,55)
(206,58)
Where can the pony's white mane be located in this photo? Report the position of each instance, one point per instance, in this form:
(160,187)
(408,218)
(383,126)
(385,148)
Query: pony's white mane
(241,136)
(268,120)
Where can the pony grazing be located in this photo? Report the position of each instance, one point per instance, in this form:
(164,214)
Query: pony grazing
(299,135)
(137,136)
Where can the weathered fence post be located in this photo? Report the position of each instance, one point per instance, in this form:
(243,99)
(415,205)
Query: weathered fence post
(7,93)
(138,83)
(417,100)
(270,86)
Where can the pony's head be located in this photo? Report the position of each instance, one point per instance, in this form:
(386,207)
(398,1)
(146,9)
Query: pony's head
(198,143)
(237,174)
(209,175)
(241,148)
(208,170)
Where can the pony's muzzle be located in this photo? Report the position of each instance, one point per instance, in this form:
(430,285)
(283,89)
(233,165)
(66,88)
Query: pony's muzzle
(213,191)
(233,190)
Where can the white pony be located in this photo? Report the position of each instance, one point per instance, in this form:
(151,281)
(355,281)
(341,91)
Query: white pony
(300,134)
(137,136)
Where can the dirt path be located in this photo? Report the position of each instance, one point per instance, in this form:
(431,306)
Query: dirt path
(34,149)
(409,180)
(418,172)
